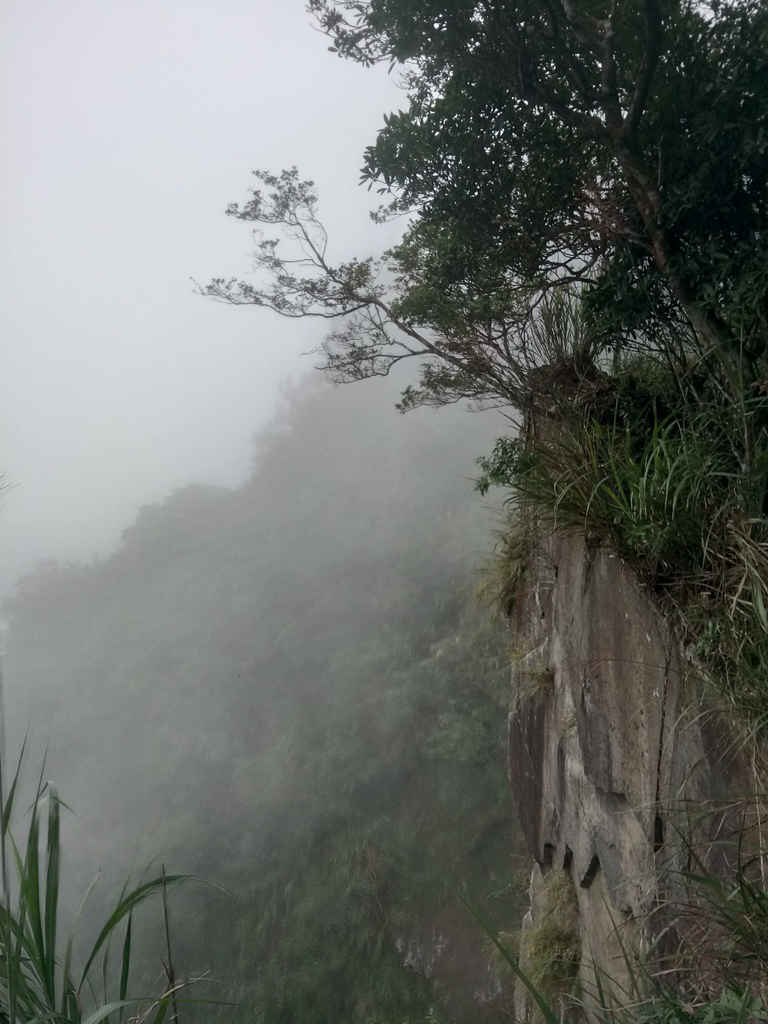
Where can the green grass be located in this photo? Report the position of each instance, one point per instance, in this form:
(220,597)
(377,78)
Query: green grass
(552,947)
(681,495)
(38,977)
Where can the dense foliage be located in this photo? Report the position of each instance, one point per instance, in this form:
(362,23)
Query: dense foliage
(287,688)
(620,145)
(621,149)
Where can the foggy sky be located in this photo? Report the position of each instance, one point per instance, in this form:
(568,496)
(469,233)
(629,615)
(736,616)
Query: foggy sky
(128,127)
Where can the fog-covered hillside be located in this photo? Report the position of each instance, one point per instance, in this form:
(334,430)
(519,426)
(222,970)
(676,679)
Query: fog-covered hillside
(289,688)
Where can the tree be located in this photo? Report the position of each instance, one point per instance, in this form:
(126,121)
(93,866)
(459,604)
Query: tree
(618,150)
(379,301)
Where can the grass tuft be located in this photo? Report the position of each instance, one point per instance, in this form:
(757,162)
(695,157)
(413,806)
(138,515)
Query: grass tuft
(552,949)
(38,978)
(681,495)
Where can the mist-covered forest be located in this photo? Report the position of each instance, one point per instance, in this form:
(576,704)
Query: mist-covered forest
(289,689)
(283,699)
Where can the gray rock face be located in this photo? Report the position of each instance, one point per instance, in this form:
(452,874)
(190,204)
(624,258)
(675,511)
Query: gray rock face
(608,746)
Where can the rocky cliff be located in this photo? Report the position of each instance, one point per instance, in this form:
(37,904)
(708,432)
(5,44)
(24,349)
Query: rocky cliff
(617,763)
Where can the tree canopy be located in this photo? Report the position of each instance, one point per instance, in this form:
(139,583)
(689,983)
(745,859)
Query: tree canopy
(619,151)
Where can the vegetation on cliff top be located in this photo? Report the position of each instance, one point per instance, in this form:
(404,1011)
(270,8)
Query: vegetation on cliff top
(620,149)
(588,242)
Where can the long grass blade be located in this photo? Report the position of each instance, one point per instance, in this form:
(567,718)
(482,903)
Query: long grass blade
(121,911)
(546,1010)
(52,872)
(125,966)
(8,802)
(68,992)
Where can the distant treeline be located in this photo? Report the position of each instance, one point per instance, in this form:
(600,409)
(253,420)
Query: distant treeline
(289,688)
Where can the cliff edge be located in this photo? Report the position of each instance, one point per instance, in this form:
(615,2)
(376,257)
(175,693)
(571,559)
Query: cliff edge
(619,768)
